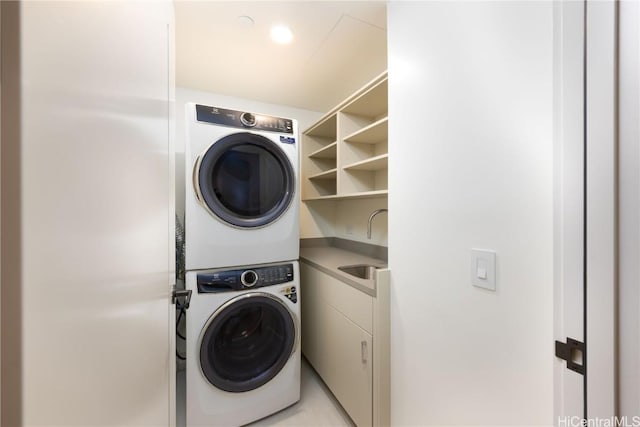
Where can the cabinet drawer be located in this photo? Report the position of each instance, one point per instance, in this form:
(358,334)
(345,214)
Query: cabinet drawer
(354,304)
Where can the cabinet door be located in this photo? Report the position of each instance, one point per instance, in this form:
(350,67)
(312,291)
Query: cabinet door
(338,349)
(346,356)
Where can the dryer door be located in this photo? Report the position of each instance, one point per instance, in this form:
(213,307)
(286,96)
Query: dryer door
(245,179)
(246,342)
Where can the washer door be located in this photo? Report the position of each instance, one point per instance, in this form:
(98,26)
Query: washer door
(246,180)
(246,342)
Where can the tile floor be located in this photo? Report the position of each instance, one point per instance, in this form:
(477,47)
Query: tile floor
(317,406)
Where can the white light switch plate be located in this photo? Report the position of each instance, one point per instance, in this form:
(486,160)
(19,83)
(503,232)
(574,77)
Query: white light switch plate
(483,269)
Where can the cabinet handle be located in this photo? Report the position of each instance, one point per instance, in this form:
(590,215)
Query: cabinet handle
(363,349)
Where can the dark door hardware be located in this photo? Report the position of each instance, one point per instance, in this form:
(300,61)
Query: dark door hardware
(574,353)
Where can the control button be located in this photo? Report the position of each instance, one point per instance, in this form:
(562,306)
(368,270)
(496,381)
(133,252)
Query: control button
(293,289)
(249,278)
(248,119)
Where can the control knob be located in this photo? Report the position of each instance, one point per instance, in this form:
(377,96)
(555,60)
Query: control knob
(248,119)
(249,278)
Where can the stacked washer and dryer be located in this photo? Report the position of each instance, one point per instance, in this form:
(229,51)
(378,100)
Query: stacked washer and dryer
(241,252)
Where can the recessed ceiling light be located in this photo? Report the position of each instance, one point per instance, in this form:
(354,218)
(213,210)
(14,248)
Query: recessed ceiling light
(281,34)
(245,21)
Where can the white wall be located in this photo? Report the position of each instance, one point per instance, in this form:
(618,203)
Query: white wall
(345,219)
(318,219)
(471,166)
(183,95)
(351,217)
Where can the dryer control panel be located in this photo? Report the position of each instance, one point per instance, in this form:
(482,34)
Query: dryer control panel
(247,278)
(242,120)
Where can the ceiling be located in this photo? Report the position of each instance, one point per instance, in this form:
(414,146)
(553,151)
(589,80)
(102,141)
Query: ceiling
(338,46)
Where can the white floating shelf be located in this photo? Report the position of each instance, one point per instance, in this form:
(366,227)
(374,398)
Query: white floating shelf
(372,164)
(327,152)
(326,128)
(361,195)
(330,174)
(373,134)
(371,103)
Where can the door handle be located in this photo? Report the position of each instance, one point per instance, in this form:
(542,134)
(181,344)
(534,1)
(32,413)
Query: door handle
(363,351)
(572,350)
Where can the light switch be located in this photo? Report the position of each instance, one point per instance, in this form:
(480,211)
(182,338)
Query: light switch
(483,269)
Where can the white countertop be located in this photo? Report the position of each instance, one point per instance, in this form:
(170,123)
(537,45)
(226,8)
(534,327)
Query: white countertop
(329,258)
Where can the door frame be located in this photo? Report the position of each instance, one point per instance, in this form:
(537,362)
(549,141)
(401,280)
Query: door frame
(628,370)
(601,206)
(568,203)
(585,208)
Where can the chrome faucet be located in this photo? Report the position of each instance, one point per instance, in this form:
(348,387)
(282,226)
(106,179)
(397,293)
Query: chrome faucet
(374,213)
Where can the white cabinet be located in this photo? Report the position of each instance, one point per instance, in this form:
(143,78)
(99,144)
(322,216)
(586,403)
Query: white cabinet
(347,364)
(338,339)
(345,154)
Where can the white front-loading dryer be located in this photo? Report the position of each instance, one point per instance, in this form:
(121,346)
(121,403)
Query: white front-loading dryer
(243,344)
(241,194)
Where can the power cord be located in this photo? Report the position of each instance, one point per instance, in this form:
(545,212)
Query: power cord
(182,311)
(182,306)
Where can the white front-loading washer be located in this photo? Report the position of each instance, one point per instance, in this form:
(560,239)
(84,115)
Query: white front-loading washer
(241,203)
(243,343)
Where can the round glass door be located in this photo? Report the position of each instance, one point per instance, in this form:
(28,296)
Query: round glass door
(247,342)
(246,180)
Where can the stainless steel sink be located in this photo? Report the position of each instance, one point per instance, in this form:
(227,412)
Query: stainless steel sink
(361,271)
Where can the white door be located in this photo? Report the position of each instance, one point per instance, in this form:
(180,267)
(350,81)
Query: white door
(93,227)
(585,213)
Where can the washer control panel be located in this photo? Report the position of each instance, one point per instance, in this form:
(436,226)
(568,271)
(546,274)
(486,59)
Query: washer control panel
(248,278)
(242,119)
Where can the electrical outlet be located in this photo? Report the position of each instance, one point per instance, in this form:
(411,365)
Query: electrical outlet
(349,229)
